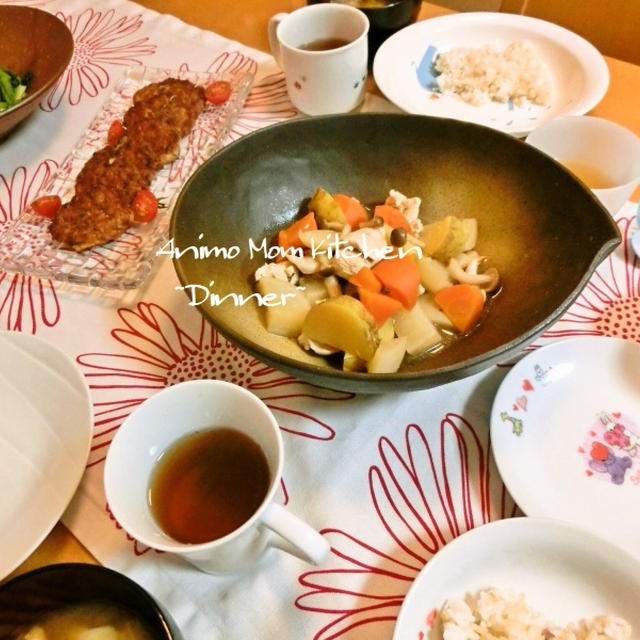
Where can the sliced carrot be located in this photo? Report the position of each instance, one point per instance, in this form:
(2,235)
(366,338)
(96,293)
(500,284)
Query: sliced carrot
(462,304)
(401,278)
(392,216)
(290,237)
(379,305)
(353,211)
(366,279)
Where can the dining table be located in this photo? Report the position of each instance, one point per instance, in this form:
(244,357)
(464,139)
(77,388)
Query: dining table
(389,479)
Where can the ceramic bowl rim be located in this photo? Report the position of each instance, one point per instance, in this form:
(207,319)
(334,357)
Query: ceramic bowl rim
(97,569)
(408,380)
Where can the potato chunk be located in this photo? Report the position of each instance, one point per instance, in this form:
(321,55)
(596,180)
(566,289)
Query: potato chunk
(433,312)
(388,356)
(446,238)
(327,210)
(353,363)
(343,323)
(415,326)
(433,274)
(104,632)
(314,288)
(470,232)
(284,319)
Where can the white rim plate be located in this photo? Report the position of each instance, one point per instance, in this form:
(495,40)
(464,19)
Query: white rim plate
(577,70)
(565,431)
(45,435)
(564,572)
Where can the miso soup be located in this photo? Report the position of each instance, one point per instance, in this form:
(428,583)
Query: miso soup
(97,620)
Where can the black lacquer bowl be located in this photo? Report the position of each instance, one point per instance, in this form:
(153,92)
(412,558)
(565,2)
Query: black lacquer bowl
(28,598)
(541,227)
(385,19)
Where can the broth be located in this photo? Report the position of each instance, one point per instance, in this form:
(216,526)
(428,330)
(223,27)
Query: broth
(324,44)
(89,620)
(208,484)
(590,174)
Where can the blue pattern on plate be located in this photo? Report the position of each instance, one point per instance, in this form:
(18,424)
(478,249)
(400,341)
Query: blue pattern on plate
(425,69)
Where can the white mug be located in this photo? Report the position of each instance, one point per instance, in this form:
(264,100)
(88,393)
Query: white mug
(598,143)
(329,80)
(170,415)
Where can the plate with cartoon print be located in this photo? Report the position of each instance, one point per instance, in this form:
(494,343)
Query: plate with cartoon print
(564,573)
(565,429)
(404,68)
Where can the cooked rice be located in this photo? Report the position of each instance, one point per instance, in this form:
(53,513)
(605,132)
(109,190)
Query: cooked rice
(480,75)
(502,615)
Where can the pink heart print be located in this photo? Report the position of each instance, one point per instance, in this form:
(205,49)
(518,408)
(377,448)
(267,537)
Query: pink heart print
(526,385)
(599,451)
(521,403)
(617,437)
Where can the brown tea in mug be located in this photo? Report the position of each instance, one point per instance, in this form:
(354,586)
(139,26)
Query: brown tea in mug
(207,484)
(324,44)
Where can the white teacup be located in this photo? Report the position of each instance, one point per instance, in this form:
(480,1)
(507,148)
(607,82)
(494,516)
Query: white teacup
(603,154)
(167,417)
(331,77)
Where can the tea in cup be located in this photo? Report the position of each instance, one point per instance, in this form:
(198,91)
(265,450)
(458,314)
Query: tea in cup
(194,471)
(386,17)
(322,49)
(604,155)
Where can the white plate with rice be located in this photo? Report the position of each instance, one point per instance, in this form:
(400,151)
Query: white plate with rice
(564,573)
(537,70)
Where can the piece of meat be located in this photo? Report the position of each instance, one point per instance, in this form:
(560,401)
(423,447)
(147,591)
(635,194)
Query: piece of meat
(100,210)
(89,221)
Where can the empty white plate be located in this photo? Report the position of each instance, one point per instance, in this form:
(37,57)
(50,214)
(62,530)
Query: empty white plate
(403,71)
(45,434)
(565,431)
(564,572)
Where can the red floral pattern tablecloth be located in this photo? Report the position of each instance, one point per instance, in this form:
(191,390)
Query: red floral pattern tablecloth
(389,479)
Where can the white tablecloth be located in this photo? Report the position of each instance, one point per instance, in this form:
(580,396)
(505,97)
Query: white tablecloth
(389,479)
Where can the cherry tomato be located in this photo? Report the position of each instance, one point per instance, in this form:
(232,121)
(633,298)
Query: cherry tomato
(47,206)
(145,206)
(218,92)
(115,132)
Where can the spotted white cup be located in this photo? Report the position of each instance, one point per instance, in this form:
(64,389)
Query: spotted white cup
(322,82)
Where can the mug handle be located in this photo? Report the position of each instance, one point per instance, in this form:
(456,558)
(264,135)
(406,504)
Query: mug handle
(272,33)
(294,535)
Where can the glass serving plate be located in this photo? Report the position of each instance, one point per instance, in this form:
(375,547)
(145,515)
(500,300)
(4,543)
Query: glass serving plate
(26,245)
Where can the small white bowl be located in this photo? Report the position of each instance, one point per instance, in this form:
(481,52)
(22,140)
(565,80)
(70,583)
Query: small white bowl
(603,147)
(565,572)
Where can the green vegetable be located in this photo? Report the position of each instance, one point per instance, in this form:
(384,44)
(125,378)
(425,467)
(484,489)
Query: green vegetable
(12,88)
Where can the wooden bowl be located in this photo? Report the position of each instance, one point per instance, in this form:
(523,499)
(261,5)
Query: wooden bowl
(543,230)
(36,41)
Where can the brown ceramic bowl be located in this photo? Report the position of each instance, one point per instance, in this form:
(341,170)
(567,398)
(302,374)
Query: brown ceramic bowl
(28,598)
(36,41)
(541,227)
